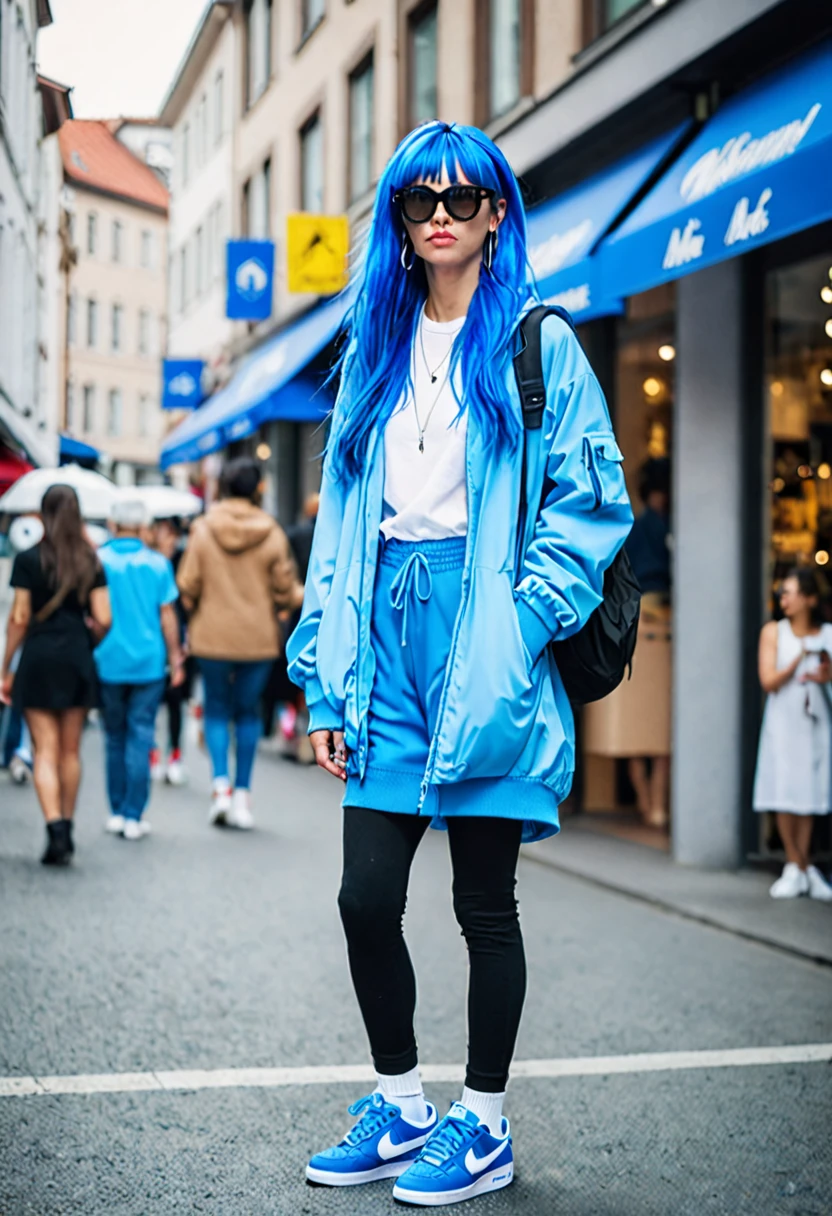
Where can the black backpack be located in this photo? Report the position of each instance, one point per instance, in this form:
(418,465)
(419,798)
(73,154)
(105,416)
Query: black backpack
(592,662)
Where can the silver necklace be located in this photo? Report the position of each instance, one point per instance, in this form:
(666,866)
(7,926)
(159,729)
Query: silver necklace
(432,373)
(421,429)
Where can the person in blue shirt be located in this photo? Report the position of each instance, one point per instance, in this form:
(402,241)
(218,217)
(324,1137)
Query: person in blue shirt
(132,662)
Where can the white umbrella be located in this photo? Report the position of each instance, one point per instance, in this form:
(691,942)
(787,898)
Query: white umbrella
(163,502)
(96,494)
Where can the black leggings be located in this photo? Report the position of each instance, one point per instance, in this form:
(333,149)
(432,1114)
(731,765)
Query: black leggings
(379,848)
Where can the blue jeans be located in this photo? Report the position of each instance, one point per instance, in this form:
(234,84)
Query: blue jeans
(232,694)
(129,713)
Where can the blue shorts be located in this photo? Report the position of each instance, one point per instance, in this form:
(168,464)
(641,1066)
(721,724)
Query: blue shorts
(415,604)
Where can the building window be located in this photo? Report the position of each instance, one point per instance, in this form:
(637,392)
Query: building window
(361,129)
(92,324)
(114,413)
(422,100)
(599,15)
(92,233)
(89,409)
(70,406)
(118,241)
(144,416)
(117,319)
(146,249)
(504,55)
(219,232)
(202,134)
(186,153)
(199,262)
(72,319)
(184,284)
(258,14)
(144,332)
(312,165)
(312,12)
(219,88)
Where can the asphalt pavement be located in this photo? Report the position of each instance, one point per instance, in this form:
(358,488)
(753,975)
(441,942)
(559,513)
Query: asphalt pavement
(201,949)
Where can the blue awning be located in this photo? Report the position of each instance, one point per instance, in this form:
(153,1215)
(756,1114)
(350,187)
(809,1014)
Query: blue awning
(759,170)
(268,386)
(564,233)
(73,449)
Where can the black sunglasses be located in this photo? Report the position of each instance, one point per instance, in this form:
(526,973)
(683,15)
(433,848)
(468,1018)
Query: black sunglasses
(418,203)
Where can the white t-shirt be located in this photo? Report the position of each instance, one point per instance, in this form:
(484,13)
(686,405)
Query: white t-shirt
(425,494)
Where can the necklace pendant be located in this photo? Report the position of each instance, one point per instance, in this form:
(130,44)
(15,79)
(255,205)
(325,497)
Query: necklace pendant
(421,444)
(433,379)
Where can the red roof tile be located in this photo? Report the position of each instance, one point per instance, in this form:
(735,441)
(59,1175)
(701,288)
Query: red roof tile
(93,157)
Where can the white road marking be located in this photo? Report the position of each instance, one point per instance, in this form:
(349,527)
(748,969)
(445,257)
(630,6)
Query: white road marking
(276,1078)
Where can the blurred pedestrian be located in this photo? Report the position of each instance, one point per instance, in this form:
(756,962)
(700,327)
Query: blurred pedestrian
(794,761)
(61,606)
(648,548)
(236,572)
(166,762)
(131,663)
(422,646)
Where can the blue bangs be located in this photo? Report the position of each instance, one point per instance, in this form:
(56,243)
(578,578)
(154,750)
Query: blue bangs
(375,366)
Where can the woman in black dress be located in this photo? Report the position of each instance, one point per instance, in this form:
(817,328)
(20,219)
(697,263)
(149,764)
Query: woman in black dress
(60,600)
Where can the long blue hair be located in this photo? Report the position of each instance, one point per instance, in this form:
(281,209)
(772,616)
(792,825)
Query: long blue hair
(381,324)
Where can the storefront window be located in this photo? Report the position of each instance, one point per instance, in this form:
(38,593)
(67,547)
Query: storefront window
(798,391)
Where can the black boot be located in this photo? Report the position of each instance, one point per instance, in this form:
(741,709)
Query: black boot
(58,845)
(70,843)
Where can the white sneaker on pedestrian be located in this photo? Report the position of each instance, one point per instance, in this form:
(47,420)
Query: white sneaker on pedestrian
(240,815)
(791,883)
(135,829)
(175,773)
(115,824)
(819,887)
(220,802)
(157,769)
(18,770)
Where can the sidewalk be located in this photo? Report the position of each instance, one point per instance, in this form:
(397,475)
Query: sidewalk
(737,901)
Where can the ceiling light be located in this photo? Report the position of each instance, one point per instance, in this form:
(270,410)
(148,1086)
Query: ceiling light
(828,328)
(263,451)
(777,388)
(778,484)
(667,352)
(826,377)
(821,557)
(652,387)
(826,295)
(824,471)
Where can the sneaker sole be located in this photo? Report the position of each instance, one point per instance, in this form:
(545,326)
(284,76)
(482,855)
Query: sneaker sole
(330,1178)
(494,1181)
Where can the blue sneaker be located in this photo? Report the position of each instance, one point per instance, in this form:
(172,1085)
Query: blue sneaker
(460,1160)
(381,1145)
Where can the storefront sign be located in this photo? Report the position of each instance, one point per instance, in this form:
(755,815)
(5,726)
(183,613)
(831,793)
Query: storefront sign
(685,245)
(182,384)
(316,251)
(745,223)
(250,277)
(550,255)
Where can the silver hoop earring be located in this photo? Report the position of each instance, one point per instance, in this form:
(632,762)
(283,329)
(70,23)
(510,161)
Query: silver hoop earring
(490,249)
(407,264)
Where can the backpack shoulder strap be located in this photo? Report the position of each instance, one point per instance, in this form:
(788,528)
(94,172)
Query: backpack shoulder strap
(528,363)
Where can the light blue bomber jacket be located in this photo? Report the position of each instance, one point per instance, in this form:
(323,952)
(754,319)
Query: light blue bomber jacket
(503,715)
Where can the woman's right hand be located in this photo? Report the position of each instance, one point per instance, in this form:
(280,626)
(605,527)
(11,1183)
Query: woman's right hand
(330,751)
(6,688)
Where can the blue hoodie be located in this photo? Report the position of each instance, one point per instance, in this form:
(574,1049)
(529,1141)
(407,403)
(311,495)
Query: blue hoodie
(503,716)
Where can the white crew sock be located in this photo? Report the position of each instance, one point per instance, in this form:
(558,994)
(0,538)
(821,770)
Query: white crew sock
(405,1091)
(487,1107)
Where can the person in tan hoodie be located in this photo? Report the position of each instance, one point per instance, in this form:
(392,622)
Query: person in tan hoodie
(236,574)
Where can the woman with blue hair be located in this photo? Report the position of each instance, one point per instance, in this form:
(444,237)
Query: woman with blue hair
(423,644)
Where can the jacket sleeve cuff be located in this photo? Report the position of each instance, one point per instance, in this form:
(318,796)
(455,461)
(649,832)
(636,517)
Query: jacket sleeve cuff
(536,633)
(322,715)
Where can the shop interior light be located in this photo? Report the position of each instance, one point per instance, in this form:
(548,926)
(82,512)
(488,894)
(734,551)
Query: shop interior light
(828,328)
(821,557)
(652,387)
(826,377)
(667,352)
(824,471)
(777,388)
(778,484)
(826,295)
(804,471)
(263,451)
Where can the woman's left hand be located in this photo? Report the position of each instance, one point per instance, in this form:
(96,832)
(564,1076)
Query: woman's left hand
(6,688)
(821,675)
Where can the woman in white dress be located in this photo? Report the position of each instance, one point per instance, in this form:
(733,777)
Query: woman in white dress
(794,762)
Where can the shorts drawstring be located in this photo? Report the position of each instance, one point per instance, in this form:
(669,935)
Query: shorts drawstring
(409,578)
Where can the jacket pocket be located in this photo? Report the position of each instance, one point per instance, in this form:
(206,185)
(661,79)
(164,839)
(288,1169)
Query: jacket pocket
(602,459)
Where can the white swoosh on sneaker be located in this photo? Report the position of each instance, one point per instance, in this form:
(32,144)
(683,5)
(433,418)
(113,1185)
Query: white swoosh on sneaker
(475,1164)
(388,1148)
